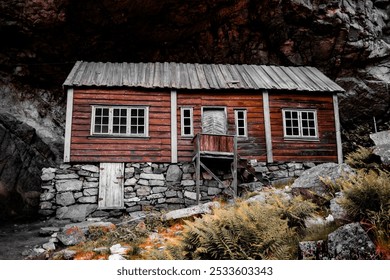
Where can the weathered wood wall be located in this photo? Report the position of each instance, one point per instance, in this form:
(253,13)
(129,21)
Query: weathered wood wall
(322,150)
(87,148)
(251,147)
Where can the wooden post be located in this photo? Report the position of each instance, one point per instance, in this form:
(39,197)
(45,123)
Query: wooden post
(68,124)
(197,168)
(235,166)
(267,125)
(337,127)
(173,126)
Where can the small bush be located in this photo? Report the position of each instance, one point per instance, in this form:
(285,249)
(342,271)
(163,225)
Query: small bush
(240,232)
(367,199)
(363,158)
(366,194)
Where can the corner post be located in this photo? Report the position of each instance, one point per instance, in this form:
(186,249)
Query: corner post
(173,126)
(197,168)
(68,124)
(267,125)
(235,166)
(338,129)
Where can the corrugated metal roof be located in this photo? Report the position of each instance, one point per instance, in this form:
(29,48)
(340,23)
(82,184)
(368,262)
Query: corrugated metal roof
(199,76)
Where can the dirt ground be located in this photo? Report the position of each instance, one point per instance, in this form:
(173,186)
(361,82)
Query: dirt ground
(16,238)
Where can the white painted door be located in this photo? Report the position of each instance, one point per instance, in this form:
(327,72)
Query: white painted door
(214,121)
(111,185)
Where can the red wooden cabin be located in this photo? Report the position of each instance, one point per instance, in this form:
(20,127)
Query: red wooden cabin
(172,112)
(151,112)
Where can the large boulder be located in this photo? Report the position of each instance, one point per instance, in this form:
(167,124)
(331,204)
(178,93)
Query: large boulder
(313,178)
(350,242)
(382,145)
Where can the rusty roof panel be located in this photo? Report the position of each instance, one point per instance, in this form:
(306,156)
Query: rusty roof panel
(199,76)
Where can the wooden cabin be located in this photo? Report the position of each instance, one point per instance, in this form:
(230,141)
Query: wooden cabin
(151,112)
(175,112)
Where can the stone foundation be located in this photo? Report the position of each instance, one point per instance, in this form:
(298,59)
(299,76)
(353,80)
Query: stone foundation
(71,191)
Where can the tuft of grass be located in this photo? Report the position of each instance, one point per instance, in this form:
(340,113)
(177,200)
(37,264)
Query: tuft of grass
(363,158)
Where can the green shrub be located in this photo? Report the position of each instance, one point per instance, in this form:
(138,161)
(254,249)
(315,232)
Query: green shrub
(240,232)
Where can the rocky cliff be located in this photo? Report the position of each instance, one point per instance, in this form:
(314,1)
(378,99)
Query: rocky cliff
(347,39)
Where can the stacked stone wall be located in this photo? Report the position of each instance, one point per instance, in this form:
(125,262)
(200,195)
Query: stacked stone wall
(71,191)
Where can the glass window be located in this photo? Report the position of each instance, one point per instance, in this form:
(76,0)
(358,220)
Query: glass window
(120,121)
(187,122)
(300,123)
(241,125)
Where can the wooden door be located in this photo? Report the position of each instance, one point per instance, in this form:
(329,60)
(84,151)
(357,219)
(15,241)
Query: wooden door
(111,182)
(214,121)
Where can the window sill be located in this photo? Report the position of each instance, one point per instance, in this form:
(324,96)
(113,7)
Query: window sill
(305,139)
(118,137)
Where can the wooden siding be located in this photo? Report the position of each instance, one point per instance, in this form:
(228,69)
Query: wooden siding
(252,146)
(87,148)
(322,150)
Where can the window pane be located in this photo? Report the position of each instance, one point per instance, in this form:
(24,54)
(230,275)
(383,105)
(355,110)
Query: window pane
(187,130)
(106,112)
(289,131)
(116,120)
(141,112)
(98,112)
(141,121)
(241,131)
(133,121)
(133,130)
(294,115)
(186,113)
(115,129)
(141,130)
(97,129)
(287,114)
(295,131)
(116,112)
(105,129)
(123,121)
(295,123)
(305,132)
(187,122)
(241,123)
(98,120)
(123,130)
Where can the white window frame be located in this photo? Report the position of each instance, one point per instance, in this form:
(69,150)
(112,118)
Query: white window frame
(245,127)
(300,126)
(128,121)
(182,126)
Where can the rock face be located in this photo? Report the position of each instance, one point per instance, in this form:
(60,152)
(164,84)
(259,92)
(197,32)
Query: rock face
(348,40)
(22,156)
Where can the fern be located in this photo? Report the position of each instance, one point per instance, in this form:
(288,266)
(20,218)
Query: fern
(240,232)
